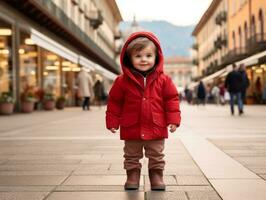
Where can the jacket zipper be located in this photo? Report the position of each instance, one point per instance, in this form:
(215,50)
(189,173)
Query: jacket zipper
(145,81)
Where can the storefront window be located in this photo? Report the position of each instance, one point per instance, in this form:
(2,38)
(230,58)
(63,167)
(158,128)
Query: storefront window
(69,73)
(28,62)
(5,57)
(51,72)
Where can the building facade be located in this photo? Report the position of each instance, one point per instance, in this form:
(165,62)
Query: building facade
(44,43)
(241,27)
(211,39)
(180,70)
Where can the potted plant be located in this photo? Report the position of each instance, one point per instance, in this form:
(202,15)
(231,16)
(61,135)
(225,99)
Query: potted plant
(48,101)
(6,103)
(27,100)
(39,94)
(60,102)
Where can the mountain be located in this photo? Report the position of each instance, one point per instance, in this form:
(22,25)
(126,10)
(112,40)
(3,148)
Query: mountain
(175,40)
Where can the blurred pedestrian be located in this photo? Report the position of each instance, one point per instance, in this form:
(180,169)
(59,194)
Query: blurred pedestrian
(222,93)
(143,101)
(85,88)
(215,93)
(233,83)
(188,95)
(258,90)
(99,93)
(201,93)
(245,82)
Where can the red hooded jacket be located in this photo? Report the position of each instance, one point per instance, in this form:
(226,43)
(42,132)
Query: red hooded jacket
(142,111)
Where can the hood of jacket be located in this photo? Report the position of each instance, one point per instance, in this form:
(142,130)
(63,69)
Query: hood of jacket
(125,60)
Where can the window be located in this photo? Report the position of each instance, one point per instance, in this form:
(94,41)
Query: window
(240,36)
(28,54)
(253,26)
(261,24)
(6,57)
(245,33)
(234,39)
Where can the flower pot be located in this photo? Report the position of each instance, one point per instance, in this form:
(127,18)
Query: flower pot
(27,107)
(6,108)
(48,105)
(60,105)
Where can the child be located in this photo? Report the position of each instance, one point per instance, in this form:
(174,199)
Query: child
(143,101)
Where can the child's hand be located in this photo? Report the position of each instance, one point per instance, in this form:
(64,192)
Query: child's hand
(172,127)
(113,130)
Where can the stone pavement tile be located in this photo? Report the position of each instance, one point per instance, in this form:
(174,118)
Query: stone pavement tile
(177,195)
(188,188)
(23,195)
(35,188)
(244,153)
(37,167)
(97,180)
(258,147)
(85,157)
(258,169)
(93,166)
(43,161)
(90,172)
(178,170)
(192,180)
(257,161)
(40,173)
(168,180)
(244,189)
(31,180)
(91,188)
(203,195)
(96,195)
(263,176)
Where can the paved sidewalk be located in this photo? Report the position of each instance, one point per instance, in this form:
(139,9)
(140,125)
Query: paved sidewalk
(69,155)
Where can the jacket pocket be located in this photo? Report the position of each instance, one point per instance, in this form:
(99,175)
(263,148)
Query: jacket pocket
(129,119)
(159,119)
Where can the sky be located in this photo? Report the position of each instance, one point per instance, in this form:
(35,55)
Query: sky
(178,12)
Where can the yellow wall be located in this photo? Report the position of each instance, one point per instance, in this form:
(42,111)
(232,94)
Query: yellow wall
(256,5)
(239,14)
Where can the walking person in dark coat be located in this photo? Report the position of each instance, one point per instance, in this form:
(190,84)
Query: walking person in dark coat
(233,83)
(245,82)
(98,92)
(201,93)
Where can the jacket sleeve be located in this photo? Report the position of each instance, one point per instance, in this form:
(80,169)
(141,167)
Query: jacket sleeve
(171,102)
(114,105)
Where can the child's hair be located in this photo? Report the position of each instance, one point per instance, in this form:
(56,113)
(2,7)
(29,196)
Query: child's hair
(138,44)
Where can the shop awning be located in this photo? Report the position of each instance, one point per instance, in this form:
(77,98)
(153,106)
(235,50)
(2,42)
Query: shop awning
(53,46)
(252,60)
(105,72)
(86,63)
(214,75)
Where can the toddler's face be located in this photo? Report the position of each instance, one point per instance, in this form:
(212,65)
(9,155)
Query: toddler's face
(144,59)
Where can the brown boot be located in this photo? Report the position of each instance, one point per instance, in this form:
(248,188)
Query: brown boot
(133,177)
(156,179)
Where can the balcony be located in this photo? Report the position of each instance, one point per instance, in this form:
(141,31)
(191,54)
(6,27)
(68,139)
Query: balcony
(256,43)
(118,35)
(195,61)
(220,18)
(195,46)
(95,18)
(220,42)
(235,55)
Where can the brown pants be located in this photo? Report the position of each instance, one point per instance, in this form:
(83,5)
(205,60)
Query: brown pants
(133,152)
